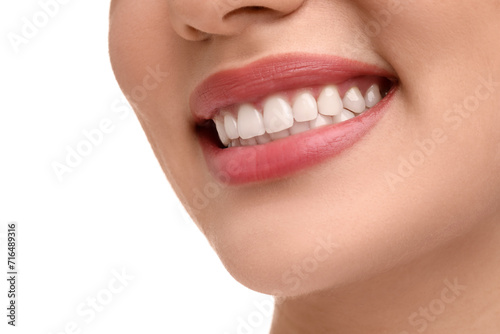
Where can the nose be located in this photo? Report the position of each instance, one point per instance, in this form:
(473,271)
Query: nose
(199,19)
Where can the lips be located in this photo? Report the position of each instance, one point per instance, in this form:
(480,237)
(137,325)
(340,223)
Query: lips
(249,98)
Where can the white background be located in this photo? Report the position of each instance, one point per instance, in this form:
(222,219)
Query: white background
(115,211)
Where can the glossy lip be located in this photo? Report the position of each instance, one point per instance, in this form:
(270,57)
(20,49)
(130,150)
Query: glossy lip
(239,165)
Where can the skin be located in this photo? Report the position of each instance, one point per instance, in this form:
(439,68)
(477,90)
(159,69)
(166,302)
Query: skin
(416,233)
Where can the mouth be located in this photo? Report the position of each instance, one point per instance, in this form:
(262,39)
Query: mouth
(285,113)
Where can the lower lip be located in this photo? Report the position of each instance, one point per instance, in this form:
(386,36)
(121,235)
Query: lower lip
(241,165)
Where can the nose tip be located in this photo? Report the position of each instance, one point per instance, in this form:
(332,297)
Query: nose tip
(197,20)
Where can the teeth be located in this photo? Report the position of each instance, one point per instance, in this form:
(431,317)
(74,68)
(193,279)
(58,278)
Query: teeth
(248,142)
(264,139)
(231,126)
(280,120)
(372,96)
(280,135)
(219,124)
(250,122)
(354,100)
(305,107)
(321,121)
(329,102)
(299,127)
(344,115)
(277,115)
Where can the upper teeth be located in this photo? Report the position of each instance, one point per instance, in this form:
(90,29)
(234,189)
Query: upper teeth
(280,119)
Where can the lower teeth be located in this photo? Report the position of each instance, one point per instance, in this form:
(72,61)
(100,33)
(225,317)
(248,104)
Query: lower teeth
(279,119)
(297,127)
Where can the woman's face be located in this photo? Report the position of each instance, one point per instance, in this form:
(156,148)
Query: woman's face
(335,204)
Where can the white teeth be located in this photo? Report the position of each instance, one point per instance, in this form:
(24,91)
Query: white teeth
(372,96)
(344,115)
(277,115)
(329,102)
(250,123)
(279,120)
(354,100)
(264,139)
(248,142)
(321,121)
(305,107)
(231,126)
(219,124)
(299,127)
(280,135)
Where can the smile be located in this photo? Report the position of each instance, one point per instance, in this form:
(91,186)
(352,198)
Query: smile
(284,113)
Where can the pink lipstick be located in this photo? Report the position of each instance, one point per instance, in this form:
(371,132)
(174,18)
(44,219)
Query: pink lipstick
(283,74)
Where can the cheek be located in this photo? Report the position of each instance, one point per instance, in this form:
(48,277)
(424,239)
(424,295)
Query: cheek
(151,64)
(450,81)
(427,34)
(141,41)
(261,236)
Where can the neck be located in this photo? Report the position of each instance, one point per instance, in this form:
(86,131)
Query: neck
(452,288)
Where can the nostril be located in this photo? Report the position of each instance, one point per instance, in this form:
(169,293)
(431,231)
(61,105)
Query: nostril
(193,34)
(256,8)
(196,20)
(248,10)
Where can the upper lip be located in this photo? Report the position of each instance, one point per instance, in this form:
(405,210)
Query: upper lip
(270,75)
